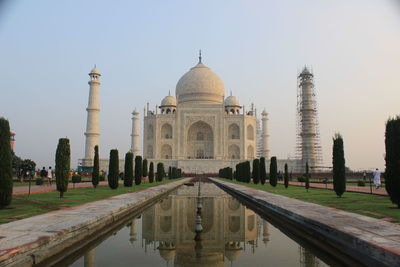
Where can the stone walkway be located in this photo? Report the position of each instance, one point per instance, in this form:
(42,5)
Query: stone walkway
(372,241)
(30,241)
(349,188)
(24,190)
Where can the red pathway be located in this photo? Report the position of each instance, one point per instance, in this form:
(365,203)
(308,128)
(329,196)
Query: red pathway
(349,188)
(23,190)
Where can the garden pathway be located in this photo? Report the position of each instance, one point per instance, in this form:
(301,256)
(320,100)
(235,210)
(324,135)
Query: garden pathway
(349,188)
(24,190)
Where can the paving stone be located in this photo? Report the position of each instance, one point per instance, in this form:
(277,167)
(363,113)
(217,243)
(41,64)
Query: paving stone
(377,240)
(31,240)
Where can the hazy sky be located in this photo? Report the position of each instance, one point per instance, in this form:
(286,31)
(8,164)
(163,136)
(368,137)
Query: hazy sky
(142,48)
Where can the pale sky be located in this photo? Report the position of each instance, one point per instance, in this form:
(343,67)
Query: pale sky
(142,48)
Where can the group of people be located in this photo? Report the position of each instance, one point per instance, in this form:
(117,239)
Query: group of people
(47,174)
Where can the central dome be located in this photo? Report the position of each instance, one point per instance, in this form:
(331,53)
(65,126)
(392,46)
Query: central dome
(201,85)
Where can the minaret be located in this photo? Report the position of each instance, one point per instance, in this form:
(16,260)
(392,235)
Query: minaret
(135,133)
(265,135)
(308,123)
(92,126)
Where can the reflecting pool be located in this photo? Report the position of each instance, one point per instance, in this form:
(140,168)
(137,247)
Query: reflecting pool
(164,235)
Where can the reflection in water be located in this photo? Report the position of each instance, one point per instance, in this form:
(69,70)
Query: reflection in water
(226,226)
(227,234)
(307,259)
(89,258)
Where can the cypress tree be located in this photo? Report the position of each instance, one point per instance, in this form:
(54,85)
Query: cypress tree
(338,162)
(145,168)
(392,159)
(138,170)
(230,173)
(256,171)
(96,167)
(273,172)
(113,169)
(6,182)
(174,173)
(307,176)
(247,170)
(236,173)
(63,165)
(151,172)
(128,170)
(170,172)
(286,176)
(160,171)
(263,171)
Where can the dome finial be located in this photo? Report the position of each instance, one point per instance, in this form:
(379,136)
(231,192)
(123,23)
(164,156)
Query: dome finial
(199,56)
(169,92)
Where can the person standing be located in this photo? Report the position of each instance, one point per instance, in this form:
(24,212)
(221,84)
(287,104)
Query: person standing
(49,175)
(377,178)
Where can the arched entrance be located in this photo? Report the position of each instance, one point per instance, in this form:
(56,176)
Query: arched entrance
(200,141)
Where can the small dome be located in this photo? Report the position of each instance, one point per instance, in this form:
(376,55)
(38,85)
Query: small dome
(167,254)
(168,101)
(305,71)
(232,101)
(232,255)
(95,71)
(200,84)
(264,113)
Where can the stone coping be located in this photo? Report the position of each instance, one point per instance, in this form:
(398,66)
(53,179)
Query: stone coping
(371,241)
(29,241)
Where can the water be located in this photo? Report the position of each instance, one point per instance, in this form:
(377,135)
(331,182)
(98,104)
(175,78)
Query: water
(163,235)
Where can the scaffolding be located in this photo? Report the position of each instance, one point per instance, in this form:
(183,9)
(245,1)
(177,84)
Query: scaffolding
(260,146)
(308,145)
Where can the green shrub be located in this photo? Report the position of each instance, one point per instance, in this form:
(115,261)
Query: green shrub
(256,171)
(301,179)
(128,179)
(138,170)
(160,172)
(39,181)
(361,183)
(392,159)
(273,172)
(338,162)
(76,178)
(286,176)
(113,172)
(151,172)
(102,178)
(95,173)
(263,171)
(6,182)
(63,165)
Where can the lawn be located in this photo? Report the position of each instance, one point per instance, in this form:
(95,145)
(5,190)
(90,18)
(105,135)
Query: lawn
(369,205)
(30,205)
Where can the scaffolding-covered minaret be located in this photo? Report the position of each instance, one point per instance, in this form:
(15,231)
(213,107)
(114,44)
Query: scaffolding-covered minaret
(308,139)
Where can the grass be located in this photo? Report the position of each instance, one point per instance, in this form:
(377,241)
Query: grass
(30,205)
(375,206)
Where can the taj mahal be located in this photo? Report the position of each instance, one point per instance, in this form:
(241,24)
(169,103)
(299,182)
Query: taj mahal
(200,130)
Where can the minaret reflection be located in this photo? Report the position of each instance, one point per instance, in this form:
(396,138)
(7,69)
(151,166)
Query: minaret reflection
(89,258)
(199,225)
(133,232)
(307,259)
(265,232)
